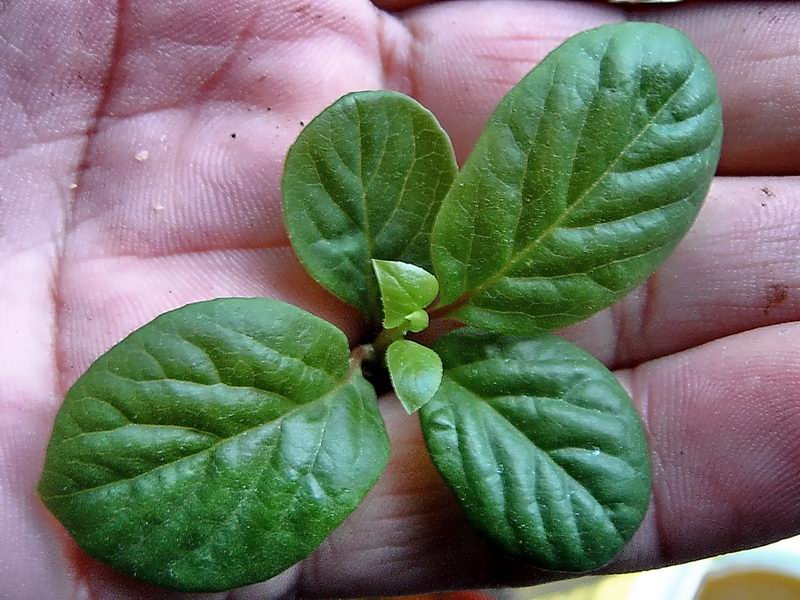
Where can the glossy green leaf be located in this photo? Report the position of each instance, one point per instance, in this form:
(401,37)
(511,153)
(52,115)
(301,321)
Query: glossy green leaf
(216,446)
(417,321)
(365,180)
(405,290)
(416,373)
(587,175)
(541,445)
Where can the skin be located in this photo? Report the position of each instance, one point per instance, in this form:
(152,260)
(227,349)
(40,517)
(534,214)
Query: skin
(124,193)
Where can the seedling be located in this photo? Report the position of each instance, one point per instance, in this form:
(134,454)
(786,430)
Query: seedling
(222,442)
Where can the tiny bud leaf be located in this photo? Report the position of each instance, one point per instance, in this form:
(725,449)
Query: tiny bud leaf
(405,289)
(417,321)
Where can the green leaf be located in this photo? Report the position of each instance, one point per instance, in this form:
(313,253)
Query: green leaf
(405,290)
(587,175)
(216,446)
(365,180)
(541,445)
(417,321)
(416,373)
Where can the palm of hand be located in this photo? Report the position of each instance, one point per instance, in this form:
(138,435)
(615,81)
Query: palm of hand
(146,144)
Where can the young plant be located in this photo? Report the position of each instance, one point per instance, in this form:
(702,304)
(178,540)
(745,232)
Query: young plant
(222,442)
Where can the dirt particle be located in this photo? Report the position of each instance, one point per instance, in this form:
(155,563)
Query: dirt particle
(302,124)
(233,136)
(767,191)
(777,294)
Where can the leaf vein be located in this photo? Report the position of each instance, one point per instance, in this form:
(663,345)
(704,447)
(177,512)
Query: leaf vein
(549,459)
(211,448)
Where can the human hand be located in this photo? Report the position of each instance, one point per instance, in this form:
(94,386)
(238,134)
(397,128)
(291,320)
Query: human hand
(142,148)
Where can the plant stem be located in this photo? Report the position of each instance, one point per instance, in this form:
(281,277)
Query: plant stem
(385,339)
(442,312)
(371,359)
(361,354)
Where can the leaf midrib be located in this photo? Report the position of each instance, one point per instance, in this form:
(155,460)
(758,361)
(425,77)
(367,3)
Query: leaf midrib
(338,387)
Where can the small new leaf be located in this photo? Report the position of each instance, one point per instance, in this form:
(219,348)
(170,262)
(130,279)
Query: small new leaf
(406,290)
(416,373)
(418,321)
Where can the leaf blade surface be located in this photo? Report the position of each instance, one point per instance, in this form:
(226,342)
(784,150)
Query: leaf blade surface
(587,175)
(541,446)
(365,180)
(416,373)
(216,446)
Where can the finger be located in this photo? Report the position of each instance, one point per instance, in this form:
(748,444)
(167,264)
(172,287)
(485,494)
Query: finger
(736,270)
(754,49)
(461,57)
(723,423)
